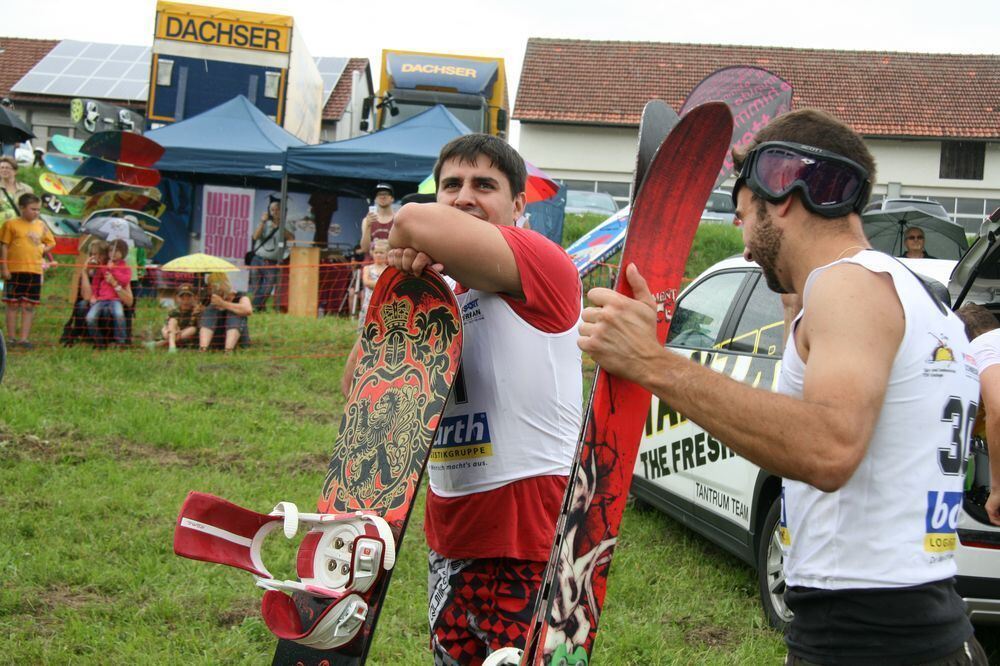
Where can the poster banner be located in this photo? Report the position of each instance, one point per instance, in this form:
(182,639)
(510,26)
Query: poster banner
(755,97)
(227,219)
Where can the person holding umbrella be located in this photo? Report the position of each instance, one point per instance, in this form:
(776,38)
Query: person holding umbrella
(914,239)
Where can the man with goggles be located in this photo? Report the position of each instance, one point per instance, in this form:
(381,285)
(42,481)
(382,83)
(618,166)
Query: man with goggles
(867,428)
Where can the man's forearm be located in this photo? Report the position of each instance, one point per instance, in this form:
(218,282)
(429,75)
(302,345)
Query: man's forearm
(790,437)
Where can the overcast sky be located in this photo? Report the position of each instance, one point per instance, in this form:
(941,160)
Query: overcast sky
(362,28)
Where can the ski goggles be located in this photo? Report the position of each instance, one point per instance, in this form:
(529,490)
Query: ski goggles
(830,185)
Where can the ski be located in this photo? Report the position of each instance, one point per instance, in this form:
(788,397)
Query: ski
(662,225)
(654,125)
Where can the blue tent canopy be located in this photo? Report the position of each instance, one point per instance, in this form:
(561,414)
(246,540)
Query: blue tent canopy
(232,139)
(403,153)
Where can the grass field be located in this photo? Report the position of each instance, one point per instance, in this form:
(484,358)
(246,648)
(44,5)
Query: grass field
(99,449)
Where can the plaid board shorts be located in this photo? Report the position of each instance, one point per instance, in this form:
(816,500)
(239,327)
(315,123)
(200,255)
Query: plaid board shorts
(23,287)
(478,606)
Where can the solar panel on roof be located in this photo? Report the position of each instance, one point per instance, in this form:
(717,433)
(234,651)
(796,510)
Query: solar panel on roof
(330,70)
(90,69)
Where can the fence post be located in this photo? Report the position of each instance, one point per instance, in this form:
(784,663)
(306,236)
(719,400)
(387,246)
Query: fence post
(303,282)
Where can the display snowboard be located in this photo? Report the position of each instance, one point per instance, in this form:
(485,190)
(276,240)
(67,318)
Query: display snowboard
(61,165)
(91,115)
(410,349)
(124,147)
(126,174)
(662,225)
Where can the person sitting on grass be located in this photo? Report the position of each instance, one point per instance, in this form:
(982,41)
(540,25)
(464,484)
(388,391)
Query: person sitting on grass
(181,328)
(107,294)
(225,316)
(76,328)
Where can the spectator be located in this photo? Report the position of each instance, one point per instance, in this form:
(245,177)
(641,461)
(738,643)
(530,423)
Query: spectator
(378,223)
(181,328)
(108,293)
(370,275)
(24,240)
(225,316)
(76,328)
(914,242)
(268,252)
(12,189)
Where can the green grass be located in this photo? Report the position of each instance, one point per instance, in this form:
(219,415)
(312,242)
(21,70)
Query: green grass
(98,450)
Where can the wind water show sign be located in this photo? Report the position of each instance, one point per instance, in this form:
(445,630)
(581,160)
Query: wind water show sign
(227,215)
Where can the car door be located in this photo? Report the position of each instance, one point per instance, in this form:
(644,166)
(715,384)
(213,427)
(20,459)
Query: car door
(731,323)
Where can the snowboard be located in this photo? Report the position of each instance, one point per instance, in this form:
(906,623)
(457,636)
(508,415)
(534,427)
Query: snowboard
(67,145)
(60,164)
(662,225)
(91,115)
(62,205)
(55,184)
(126,147)
(124,199)
(89,186)
(411,346)
(126,174)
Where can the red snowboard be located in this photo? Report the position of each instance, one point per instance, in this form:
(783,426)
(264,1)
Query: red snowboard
(125,147)
(126,174)
(411,347)
(661,229)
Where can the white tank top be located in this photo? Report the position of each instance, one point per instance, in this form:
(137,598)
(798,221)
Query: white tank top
(893,523)
(515,410)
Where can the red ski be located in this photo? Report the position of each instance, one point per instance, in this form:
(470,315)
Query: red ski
(661,229)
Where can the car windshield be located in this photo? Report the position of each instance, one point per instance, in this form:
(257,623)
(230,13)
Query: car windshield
(720,202)
(593,200)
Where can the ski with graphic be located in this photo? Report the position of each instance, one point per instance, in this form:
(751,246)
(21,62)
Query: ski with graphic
(662,225)
(89,186)
(410,349)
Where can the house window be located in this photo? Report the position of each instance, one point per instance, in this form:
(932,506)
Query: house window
(962,160)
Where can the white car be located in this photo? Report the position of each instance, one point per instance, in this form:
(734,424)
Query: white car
(728,320)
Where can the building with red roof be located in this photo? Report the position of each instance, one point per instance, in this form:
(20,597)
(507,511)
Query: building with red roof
(932,120)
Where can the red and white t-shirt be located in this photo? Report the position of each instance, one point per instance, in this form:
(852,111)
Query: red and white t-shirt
(505,445)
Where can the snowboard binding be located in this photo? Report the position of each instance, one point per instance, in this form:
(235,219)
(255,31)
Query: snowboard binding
(340,558)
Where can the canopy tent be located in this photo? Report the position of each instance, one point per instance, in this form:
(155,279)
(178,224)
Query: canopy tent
(232,139)
(404,153)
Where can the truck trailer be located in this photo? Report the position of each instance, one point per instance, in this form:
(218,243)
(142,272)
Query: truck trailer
(473,88)
(204,56)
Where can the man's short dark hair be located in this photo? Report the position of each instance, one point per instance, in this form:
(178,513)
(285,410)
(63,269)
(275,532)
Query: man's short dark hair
(27,199)
(977,319)
(813,128)
(467,149)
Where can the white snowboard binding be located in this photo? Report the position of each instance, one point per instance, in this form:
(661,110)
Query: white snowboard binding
(340,558)
(507,656)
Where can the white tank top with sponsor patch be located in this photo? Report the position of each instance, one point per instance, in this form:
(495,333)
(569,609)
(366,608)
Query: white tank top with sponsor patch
(514,412)
(893,523)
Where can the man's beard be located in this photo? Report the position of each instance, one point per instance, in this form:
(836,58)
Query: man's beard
(765,248)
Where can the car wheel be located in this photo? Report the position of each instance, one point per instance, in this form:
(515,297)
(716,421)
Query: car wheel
(771,572)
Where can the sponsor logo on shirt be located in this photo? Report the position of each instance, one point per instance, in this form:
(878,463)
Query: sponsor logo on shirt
(462,437)
(471,311)
(941,358)
(783,534)
(941,520)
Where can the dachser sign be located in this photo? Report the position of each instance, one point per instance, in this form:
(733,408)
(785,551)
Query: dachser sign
(447,70)
(222,32)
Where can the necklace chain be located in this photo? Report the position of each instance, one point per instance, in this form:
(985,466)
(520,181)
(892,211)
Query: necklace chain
(853,247)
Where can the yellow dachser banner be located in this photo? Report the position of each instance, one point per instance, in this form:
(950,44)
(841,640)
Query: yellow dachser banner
(223,27)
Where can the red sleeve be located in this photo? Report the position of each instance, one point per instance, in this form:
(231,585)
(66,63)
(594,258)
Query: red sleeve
(549,280)
(122,273)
